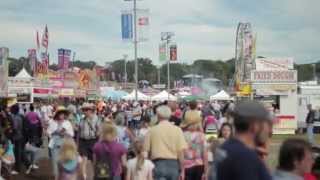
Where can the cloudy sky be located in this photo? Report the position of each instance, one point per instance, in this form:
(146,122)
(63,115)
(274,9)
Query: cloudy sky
(203,28)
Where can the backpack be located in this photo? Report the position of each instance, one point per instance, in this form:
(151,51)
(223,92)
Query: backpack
(103,165)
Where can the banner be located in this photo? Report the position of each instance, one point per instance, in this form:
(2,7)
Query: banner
(32,54)
(284,76)
(4,54)
(64,58)
(162,52)
(143,23)
(173,52)
(127,26)
(274,63)
(45,62)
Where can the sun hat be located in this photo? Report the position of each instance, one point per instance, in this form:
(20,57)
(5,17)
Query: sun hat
(60,109)
(88,106)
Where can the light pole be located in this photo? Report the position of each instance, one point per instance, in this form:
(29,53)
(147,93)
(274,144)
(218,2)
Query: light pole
(125,56)
(135,46)
(167,36)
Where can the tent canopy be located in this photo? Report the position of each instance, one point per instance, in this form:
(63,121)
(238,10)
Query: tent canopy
(23,74)
(114,95)
(222,95)
(163,96)
(132,96)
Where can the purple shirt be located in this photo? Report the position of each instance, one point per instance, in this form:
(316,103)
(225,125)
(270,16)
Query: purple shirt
(115,150)
(33,118)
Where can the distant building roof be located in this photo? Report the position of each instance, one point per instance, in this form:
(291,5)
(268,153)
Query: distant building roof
(193,76)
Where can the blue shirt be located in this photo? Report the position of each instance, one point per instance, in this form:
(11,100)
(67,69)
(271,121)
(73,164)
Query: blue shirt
(235,161)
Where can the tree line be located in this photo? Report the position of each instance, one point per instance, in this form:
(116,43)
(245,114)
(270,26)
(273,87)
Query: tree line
(223,70)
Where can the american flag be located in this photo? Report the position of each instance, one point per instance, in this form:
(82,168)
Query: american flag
(143,21)
(45,38)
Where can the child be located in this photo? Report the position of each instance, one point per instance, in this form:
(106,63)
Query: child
(139,168)
(70,164)
(108,155)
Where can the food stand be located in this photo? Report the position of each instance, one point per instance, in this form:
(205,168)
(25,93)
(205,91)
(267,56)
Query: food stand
(278,85)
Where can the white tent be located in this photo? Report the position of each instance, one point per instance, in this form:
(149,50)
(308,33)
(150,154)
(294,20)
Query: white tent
(163,96)
(23,74)
(222,95)
(132,96)
(183,94)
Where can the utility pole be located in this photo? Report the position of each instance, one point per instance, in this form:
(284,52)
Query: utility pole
(125,56)
(135,46)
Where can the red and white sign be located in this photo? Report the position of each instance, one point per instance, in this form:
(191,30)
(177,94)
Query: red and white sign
(285,76)
(263,64)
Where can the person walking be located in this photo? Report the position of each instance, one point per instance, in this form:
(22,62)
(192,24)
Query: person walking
(295,160)
(165,144)
(109,156)
(58,129)
(88,131)
(249,117)
(18,137)
(139,168)
(70,164)
(196,155)
(33,137)
(309,122)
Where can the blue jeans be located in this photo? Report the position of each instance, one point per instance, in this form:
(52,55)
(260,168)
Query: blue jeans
(310,133)
(166,170)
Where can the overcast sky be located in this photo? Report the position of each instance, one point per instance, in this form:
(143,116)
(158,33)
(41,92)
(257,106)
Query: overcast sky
(203,28)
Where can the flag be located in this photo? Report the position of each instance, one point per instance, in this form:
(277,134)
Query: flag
(127,26)
(143,23)
(38,41)
(45,38)
(173,52)
(162,52)
(32,54)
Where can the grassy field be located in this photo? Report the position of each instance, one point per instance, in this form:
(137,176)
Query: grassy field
(275,146)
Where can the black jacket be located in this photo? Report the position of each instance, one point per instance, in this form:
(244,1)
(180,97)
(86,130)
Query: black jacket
(310,117)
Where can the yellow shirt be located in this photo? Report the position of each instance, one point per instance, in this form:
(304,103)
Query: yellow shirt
(165,141)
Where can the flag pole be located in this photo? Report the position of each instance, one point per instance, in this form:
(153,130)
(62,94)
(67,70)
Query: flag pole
(135,47)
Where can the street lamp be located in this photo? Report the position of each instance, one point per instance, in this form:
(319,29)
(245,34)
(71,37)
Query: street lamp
(167,36)
(125,56)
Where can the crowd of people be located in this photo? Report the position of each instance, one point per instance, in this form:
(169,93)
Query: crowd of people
(149,140)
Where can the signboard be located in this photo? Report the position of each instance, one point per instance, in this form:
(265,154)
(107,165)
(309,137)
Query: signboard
(162,51)
(285,124)
(284,76)
(273,89)
(143,23)
(24,98)
(66,92)
(274,64)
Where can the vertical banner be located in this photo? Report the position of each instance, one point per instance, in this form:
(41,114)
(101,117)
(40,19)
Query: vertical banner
(60,58)
(64,58)
(162,52)
(32,55)
(173,52)
(143,23)
(127,25)
(45,62)
(4,54)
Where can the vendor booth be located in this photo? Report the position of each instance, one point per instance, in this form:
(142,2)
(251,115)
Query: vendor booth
(21,87)
(277,88)
(164,96)
(132,96)
(221,96)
